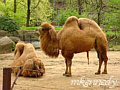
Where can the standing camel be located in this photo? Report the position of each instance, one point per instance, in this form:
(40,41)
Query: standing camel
(77,35)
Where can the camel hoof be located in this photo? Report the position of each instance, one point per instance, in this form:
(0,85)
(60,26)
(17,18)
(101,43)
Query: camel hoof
(104,72)
(64,74)
(97,73)
(67,75)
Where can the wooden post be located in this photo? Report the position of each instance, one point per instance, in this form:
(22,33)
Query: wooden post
(6,78)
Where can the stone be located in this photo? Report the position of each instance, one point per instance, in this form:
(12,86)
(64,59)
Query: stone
(14,39)
(6,45)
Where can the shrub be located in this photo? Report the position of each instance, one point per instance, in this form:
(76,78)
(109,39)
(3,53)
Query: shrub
(8,24)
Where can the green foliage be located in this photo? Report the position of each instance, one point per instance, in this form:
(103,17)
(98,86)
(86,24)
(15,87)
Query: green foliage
(40,11)
(117,2)
(8,24)
(114,34)
(64,14)
(7,10)
(59,10)
(111,19)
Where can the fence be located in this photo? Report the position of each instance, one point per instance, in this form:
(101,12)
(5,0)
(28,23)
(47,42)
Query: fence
(113,37)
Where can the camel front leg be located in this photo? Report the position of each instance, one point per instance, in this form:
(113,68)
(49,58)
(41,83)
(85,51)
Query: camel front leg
(66,71)
(69,62)
(68,55)
(68,67)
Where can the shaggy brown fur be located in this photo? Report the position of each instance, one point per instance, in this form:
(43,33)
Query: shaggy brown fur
(48,34)
(26,58)
(33,68)
(77,35)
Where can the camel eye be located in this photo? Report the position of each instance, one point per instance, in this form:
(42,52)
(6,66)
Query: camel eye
(42,29)
(45,29)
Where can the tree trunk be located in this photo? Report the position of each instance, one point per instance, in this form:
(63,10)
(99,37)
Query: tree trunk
(15,7)
(28,12)
(99,20)
(80,7)
(99,11)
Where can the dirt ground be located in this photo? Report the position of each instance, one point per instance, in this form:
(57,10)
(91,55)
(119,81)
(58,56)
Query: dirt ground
(83,76)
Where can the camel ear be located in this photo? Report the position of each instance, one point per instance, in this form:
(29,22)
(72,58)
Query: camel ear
(53,34)
(15,52)
(39,30)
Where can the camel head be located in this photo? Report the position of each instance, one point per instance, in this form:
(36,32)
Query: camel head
(48,29)
(48,40)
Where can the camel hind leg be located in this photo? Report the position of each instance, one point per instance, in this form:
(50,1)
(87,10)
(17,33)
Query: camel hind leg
(105,59)
(100,63)
(102,55)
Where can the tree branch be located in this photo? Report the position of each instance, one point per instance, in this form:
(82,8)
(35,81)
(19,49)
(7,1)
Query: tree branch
(36,5)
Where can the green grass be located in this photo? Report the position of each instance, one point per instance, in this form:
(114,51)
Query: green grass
(58,28)
(35,28)
(29,28)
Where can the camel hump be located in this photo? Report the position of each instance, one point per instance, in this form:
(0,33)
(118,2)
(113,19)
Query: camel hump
(71,19)
(19,47)
(87,23)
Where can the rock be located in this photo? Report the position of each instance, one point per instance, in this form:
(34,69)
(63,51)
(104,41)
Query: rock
(36,44)
(6,45)
(3,33)
(26,35)
(14,39)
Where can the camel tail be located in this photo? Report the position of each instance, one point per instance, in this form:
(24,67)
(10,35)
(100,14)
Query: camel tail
(88,56)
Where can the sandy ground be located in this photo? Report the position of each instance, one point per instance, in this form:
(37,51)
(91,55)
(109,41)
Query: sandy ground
(83,77)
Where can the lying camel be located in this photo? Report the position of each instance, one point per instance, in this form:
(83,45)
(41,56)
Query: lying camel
(26,58)
(33,68)
(77,35)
